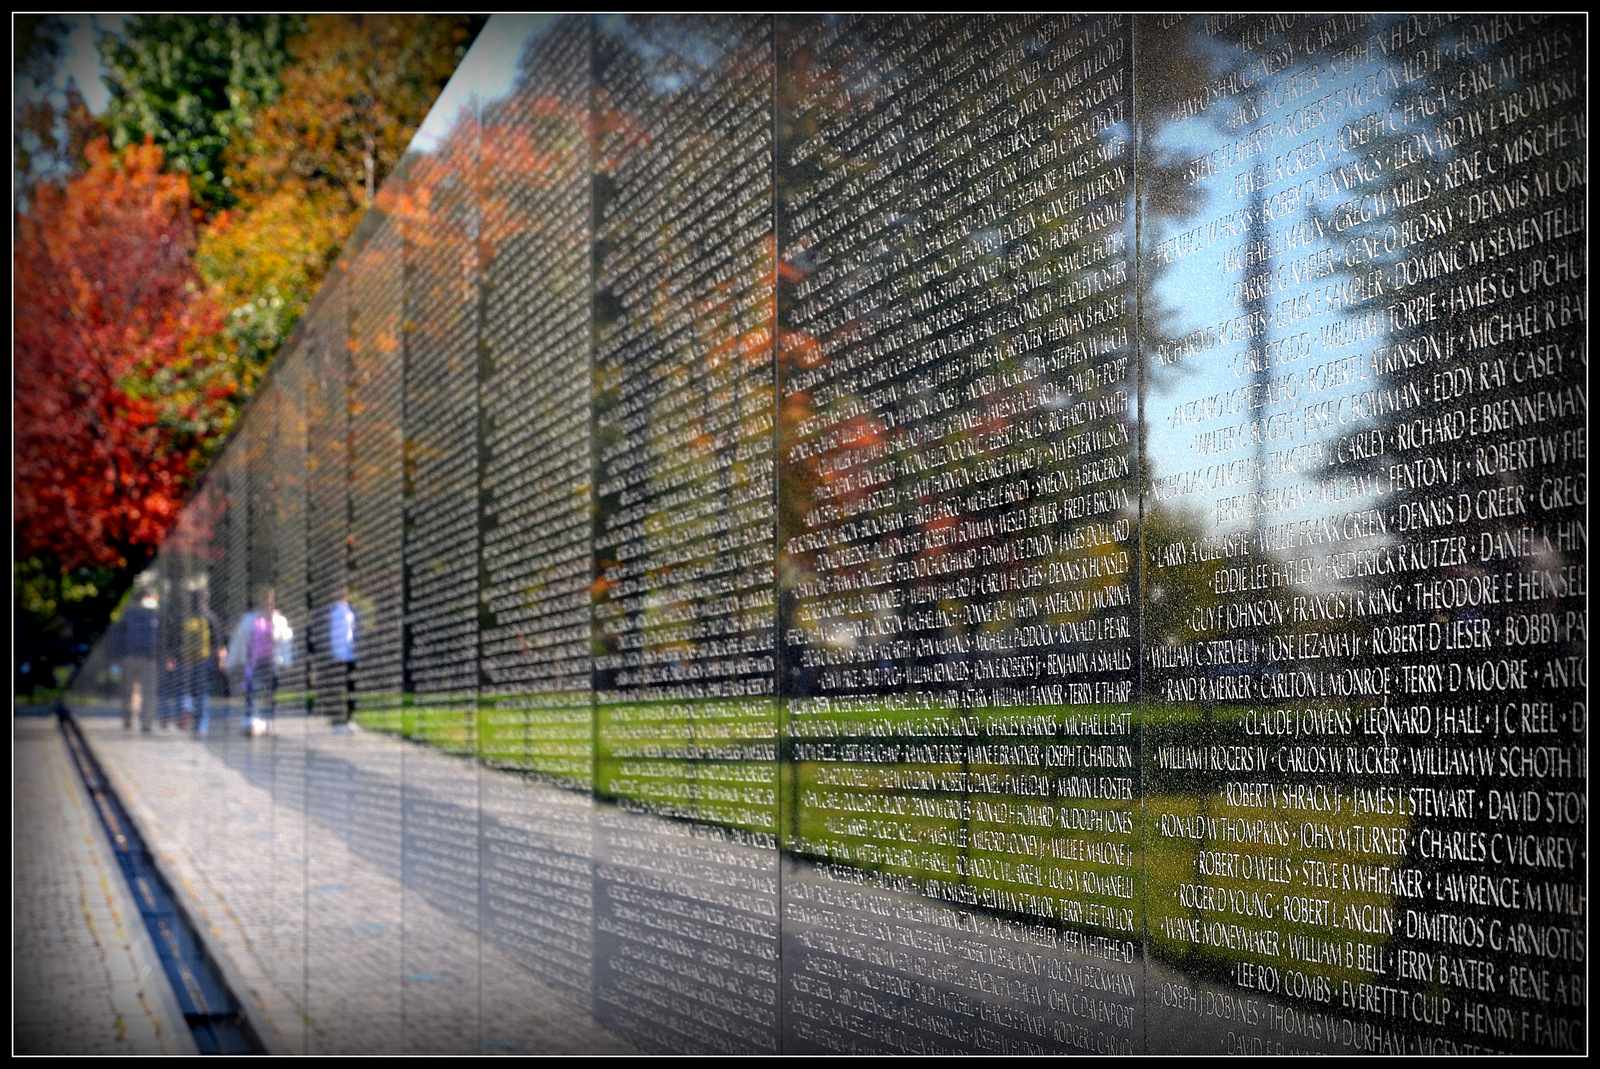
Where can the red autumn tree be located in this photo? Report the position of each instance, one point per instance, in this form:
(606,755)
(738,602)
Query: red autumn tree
(110,407)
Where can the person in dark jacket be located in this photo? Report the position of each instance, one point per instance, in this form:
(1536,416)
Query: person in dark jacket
(140,648)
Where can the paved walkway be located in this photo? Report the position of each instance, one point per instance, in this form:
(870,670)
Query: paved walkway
(378,896)
(87,979)
(336,951)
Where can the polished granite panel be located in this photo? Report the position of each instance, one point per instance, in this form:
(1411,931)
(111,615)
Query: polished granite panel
(1364,527)
(377,398)
(441,435)
(326,363)
(960,482)
(1025,534)
(685,717)
(536,463)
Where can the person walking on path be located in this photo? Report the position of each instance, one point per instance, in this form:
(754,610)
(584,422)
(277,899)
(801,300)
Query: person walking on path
(140,646)
(342,651)
(196,646)
(261,644)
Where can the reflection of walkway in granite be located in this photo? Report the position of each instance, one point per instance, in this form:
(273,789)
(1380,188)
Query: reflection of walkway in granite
(337,952)
(87,977)
(524,905)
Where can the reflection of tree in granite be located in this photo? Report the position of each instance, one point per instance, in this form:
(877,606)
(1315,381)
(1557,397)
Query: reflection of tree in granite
(501,190)
(709,332)
(377,455)
(1461,419)
(1393,469)
(1421,283)
(1167,197)
(534,175)
(958,481)
(1206,659)
(1190,65)
(683,418)
(1010,271)
(434,199)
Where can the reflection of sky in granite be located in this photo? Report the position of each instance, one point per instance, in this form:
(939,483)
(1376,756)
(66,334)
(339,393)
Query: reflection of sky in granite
(487,72)
(1199,288)
(491,67)
(674,59)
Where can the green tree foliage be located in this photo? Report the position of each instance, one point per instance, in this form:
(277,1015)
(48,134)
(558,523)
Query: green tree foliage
(191,84)
(58,614)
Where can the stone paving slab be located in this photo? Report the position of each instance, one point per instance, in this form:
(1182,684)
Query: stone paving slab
(87,978)
(334,949)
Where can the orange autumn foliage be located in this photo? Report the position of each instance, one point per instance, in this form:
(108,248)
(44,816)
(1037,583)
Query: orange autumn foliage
(108,397)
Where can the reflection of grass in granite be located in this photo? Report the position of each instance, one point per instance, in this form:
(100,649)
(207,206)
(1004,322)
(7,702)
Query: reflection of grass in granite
(1064,859)
(446,721)
(1089,861)
(1325,936)
(1192,879)
(381,712)
(711,760)
(546,734)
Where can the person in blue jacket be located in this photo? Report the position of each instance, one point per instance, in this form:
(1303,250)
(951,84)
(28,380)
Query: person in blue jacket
(342,651)
(197,647)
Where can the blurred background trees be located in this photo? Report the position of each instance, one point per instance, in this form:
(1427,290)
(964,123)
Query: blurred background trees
(163,250)
(307,167)
(192,85)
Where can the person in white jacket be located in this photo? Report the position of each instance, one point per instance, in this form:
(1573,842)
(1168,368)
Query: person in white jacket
(261,644)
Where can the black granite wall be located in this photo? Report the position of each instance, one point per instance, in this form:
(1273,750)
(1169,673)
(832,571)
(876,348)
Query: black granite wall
(948,534)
